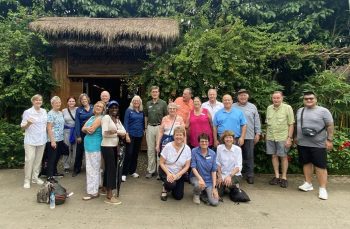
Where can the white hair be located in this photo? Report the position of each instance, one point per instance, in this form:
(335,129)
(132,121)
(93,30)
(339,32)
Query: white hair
(136,97)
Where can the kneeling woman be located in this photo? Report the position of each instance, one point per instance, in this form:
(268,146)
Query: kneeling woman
(229,162)
(92,145)
(174,163)
(112,129)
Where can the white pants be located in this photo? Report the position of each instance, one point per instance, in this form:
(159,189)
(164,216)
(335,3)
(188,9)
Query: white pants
(152,133)
(93,161)
(32,165)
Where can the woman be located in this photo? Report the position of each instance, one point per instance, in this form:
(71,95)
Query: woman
(229,162)
(92,144)
(203,176)
(134,124)
(83,113)
(174,162)
(34,121)
(199,121)
(69,133)
(55,145)
(166,129)
(112,129)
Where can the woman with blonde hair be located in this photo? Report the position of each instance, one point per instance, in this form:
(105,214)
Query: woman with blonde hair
(134,124)
(174,163)
(34,121)
(92,144)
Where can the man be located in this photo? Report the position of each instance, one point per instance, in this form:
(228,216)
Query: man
(279,133)
(315,129)
(154,112)
(229,118)
(203,176)
(185,104)
(253,132)
(105,97)
(212,105)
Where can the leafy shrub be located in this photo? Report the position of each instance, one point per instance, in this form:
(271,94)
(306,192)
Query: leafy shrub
(338,158)
(11,145)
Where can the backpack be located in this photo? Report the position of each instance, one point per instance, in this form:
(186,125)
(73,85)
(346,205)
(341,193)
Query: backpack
(238,195)
(43,195)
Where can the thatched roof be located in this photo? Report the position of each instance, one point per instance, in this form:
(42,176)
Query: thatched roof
(148,33)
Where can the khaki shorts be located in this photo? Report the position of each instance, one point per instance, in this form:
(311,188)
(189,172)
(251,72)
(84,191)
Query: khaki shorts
(276,148)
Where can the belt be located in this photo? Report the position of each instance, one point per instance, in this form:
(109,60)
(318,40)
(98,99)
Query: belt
(154,124)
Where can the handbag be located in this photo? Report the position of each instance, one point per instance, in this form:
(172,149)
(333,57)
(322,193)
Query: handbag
(72,130)
(169,137)
(307,131)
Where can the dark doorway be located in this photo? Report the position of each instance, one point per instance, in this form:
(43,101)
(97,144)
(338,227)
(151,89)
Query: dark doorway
(115,86)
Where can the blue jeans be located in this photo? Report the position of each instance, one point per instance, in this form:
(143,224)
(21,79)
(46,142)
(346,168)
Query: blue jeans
(209,190)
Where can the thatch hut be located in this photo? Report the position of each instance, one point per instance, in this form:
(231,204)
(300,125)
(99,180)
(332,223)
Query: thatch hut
(94,54)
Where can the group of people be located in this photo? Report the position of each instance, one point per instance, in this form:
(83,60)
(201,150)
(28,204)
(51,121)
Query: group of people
(211,144)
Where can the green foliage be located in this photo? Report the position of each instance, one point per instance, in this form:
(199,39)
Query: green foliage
(24,67)
(11,145)
(339,157)
(333,92)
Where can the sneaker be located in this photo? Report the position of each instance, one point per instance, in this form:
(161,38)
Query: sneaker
(322,194)
(274,181)
(306,187)
(26,184)
(113,201)
(283,183)
(123,178)
(135,175)
(196,199)
(38,181)
(149,175)
(66,171)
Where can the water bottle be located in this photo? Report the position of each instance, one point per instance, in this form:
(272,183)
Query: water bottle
(52,200)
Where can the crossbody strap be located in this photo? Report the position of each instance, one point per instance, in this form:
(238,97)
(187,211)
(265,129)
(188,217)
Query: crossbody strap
(178,156)
(172,125)
(302,119)
(70,114)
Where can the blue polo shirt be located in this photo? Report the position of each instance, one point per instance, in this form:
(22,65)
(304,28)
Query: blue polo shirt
(229,120)
(134,122)
(205,165)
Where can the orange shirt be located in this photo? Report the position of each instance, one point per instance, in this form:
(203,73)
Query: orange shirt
(184,108)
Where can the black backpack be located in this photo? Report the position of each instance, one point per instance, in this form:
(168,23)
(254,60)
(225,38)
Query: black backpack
(238,195)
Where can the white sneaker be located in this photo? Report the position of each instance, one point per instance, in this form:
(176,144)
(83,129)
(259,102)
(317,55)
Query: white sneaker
(322,194)
(26,184)
(135,175)
(196,199)
(306,187)
(38,181)
(123,178)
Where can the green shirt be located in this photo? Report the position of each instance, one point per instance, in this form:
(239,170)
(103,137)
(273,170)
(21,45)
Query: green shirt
(155,111)
(278,120)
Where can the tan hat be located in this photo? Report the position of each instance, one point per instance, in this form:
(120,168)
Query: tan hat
(242,91)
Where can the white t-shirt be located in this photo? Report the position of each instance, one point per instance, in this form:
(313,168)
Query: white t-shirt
(229,159)
(169,154)
(35,134)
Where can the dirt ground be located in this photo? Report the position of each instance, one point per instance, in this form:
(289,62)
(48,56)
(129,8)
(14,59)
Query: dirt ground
(271,206)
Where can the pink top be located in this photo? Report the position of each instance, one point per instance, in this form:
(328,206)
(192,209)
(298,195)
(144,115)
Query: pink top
(200,124)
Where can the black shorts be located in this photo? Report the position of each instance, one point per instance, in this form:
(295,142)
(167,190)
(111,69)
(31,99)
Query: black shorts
(314,155)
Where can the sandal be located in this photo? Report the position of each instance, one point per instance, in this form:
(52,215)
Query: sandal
(90,197)
(164,196)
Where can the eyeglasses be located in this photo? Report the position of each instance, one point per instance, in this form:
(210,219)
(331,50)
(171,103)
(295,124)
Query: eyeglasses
(203,141)
(311,98)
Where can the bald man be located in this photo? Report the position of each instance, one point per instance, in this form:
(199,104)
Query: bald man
(229,118)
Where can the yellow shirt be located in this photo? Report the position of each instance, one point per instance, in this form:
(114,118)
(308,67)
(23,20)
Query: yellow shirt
(278,120)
